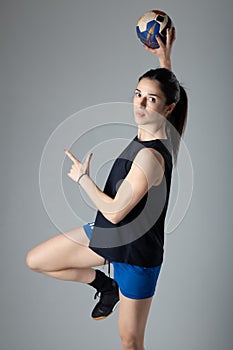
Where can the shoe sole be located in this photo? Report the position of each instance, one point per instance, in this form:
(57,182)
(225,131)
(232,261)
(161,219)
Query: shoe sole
(103,317)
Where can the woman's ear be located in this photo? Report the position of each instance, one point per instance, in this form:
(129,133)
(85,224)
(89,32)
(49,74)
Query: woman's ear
(170,109)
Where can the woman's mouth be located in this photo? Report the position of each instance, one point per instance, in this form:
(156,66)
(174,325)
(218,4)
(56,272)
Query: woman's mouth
(139,113)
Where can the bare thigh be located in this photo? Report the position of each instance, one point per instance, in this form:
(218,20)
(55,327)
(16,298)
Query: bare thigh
(64,251)
(132,319)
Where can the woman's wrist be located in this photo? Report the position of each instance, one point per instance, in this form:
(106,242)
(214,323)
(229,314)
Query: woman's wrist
(80,177)
(166,63)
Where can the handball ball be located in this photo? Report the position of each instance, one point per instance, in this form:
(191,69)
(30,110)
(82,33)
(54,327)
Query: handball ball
(153,23)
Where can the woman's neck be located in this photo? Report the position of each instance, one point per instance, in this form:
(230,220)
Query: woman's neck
(145,135)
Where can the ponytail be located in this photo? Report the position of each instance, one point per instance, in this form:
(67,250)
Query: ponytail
(178,119)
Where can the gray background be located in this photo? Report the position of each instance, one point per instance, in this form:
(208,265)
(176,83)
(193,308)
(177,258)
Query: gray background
(58,57)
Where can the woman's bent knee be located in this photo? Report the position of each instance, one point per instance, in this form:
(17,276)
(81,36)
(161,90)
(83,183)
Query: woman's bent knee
(32,262)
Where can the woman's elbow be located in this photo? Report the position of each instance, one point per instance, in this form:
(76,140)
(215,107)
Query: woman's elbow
(117,213)
(114,218)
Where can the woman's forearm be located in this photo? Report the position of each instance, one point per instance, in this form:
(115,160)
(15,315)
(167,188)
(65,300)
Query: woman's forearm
(114,209)
(103,202)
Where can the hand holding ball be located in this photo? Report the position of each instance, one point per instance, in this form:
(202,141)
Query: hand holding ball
(150,25)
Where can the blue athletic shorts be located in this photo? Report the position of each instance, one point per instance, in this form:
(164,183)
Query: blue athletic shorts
(135,282)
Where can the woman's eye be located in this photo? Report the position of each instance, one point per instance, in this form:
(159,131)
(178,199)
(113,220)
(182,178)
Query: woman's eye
(152,99)
(137,94)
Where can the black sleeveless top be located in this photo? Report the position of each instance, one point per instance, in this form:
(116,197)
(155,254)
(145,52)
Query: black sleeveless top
(138,239)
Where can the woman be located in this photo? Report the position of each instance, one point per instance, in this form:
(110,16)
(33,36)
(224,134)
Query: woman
(128,232)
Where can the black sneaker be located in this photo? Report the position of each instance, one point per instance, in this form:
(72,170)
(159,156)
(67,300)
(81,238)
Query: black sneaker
(107,304)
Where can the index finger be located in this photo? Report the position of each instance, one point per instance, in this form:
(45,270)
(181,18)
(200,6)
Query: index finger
(70,155)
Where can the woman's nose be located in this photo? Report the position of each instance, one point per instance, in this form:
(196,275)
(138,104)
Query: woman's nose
(143,102)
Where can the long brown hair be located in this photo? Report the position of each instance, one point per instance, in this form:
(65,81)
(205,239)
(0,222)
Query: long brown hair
(174,93)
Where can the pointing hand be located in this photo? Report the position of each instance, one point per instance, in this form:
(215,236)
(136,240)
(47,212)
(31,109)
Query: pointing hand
(78,169)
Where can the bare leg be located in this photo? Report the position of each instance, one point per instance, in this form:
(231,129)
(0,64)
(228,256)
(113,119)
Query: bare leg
(132,320)
(66,257)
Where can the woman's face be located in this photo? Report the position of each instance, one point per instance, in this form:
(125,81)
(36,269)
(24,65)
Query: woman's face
(149,103)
